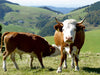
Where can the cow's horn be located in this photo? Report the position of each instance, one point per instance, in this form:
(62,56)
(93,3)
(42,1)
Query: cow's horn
(82,21)
(57,20)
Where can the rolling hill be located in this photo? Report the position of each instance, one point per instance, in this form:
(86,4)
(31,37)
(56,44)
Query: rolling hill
(24,19)
(92,17)
(41,21)
(63,10)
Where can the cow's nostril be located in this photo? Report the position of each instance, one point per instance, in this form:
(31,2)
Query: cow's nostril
(69,38)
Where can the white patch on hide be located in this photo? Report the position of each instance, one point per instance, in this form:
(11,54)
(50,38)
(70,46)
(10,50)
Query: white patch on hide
(67,49)
(69,29)
(57,51)
(75,50)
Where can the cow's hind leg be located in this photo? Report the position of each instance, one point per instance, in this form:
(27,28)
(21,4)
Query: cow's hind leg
(12,56)
(5,55)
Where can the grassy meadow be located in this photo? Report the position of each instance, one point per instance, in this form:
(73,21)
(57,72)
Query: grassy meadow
(89,61)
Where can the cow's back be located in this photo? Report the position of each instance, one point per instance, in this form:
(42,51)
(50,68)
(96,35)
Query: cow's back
(26,42)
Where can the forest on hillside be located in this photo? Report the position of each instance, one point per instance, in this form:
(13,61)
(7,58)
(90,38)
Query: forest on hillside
(41,21)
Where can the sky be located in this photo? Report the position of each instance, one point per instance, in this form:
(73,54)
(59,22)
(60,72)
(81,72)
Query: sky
(55,3)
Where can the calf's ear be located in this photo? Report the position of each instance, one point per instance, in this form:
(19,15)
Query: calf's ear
(52,49)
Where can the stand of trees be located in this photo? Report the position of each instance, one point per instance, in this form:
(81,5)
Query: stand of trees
(0,32)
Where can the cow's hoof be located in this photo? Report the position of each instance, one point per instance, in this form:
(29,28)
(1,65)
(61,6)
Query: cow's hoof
(76,68)
(59,70)
(65,67)
(72,66)
(5,70)
(43,67)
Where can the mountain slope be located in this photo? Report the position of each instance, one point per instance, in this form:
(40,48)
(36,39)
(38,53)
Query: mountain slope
(41,21)
(28,18)
(92,18)
(61,9)
(45,7)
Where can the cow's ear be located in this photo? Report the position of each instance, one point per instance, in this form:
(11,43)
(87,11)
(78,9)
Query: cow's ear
(52,49)
(81,26)
(58,27)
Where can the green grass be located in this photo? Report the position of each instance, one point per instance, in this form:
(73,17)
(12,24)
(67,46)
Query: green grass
(89,61)
(92,42)
(16,28)
(89,65)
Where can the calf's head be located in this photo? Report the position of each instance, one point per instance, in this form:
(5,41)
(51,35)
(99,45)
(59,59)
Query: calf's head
(69,28)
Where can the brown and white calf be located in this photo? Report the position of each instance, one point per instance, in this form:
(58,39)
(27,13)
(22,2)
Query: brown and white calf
(69,37)
(20,42)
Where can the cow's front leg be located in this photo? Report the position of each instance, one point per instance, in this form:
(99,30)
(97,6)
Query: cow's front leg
(65,61)
(76,63)
(72,62)
(40,60)
(59,70)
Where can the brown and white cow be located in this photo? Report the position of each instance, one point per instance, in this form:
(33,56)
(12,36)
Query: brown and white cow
(20,42)
(69,37)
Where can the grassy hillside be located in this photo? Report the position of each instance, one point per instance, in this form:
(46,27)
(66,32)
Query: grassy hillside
(89,60)
(92,42)
(77,14)
(41,21)
(26,17)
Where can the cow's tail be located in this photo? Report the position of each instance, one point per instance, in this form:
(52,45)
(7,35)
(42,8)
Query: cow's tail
(2,38)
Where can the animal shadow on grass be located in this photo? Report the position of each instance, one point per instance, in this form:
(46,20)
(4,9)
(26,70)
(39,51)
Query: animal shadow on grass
(96,70)
(39,69)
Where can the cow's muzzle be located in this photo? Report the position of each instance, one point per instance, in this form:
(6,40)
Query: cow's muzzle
(69,39)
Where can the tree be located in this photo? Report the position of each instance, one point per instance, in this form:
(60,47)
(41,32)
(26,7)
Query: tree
(0,31)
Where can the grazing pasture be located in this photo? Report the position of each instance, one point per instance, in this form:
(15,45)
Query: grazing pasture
(89,61)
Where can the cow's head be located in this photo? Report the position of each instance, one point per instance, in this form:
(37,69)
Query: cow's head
(69,28)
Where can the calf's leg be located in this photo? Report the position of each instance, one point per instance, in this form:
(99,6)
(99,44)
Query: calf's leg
(5,55)
(31,61)
(40,60)
(12,56)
